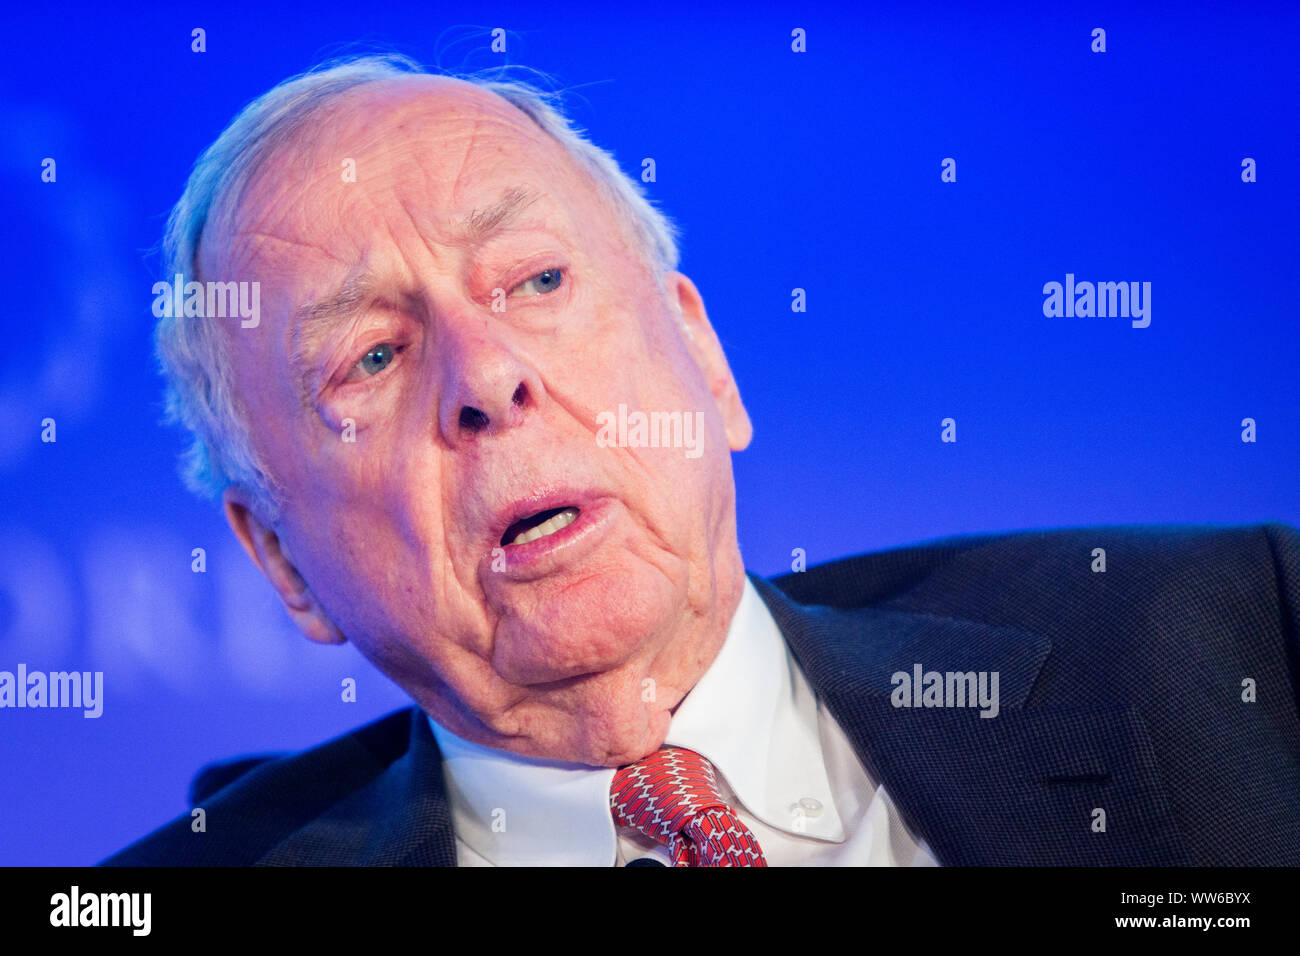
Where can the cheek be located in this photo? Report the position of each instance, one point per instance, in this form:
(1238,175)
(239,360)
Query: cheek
(355,571)
(353,515)
(350,455)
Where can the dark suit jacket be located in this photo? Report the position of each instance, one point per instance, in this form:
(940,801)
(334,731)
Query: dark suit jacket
(1120,690)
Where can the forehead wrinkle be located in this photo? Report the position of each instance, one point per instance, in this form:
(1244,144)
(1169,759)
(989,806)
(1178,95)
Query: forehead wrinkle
(464,155)
(237,236)
(241,250)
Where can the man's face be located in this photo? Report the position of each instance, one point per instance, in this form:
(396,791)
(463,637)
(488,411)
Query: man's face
(417,431)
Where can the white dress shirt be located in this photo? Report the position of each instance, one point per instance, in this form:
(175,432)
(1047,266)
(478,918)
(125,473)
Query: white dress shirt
(783,763)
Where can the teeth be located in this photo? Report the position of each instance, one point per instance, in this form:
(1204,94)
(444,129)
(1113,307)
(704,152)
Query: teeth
(549,526)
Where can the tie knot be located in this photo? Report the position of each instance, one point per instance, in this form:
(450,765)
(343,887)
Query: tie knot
(672,797)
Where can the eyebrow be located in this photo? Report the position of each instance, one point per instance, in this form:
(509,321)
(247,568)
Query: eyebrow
(314,321)
(482,223)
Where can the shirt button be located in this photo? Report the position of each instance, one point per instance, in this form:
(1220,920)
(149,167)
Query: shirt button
(810,807)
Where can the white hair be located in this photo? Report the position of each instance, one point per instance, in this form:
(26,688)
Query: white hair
(199,389)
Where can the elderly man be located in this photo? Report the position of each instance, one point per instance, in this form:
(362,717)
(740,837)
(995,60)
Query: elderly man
(413,441)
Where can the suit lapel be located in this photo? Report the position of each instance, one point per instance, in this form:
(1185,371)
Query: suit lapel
(1021,788)
(401,818)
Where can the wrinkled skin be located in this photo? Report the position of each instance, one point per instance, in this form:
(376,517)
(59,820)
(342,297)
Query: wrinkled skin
(388,540)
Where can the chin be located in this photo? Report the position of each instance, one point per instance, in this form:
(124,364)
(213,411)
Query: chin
(585,626)
(613,739)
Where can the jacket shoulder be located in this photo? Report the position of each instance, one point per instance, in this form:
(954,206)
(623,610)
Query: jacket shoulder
(1046,559)
(252,804)
(1207,596)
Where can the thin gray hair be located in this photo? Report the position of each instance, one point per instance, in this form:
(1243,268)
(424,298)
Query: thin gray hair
(200,394)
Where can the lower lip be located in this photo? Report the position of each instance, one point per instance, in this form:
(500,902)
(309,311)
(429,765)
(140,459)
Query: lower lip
(535,559)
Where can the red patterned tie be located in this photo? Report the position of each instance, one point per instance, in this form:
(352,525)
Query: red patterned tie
(672,797)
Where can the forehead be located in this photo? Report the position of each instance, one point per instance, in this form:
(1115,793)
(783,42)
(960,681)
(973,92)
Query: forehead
(428,150)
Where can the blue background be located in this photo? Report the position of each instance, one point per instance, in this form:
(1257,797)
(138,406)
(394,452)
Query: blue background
(817,170)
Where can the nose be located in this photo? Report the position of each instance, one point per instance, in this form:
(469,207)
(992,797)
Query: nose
(488,388)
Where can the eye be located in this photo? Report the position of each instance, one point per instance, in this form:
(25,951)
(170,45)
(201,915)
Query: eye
(374,361)
(541,283)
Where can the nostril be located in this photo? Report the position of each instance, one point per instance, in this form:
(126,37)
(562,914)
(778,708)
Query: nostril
(472,419)
(520,395)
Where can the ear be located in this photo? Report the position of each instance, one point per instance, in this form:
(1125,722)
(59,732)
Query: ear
(707,351)
(263,546)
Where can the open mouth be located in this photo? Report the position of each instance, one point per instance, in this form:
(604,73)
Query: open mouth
(539,525)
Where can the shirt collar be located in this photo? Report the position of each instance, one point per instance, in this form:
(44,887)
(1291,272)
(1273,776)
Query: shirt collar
(752,714)
(520,811)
